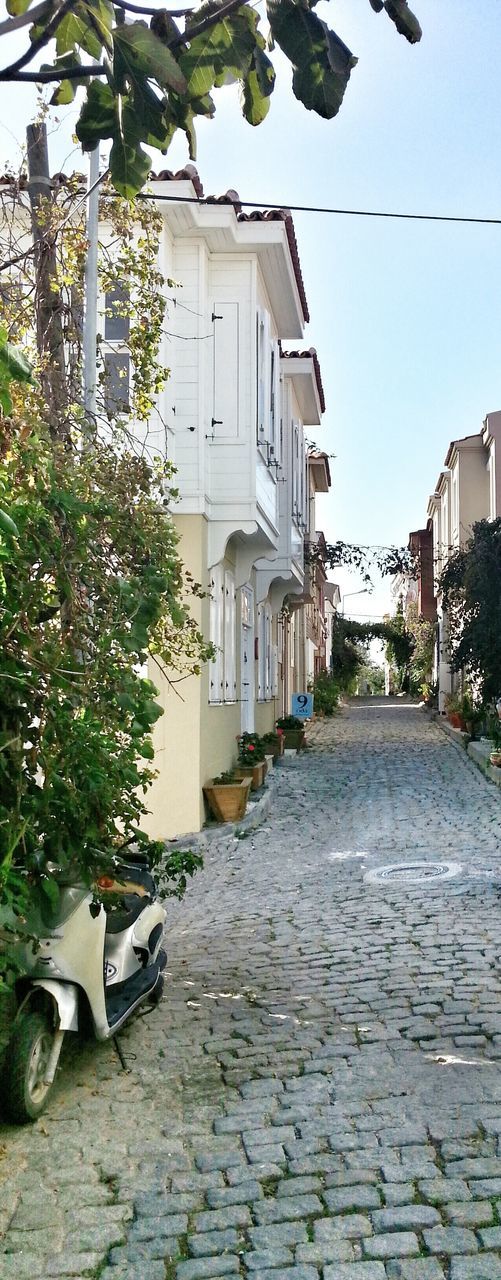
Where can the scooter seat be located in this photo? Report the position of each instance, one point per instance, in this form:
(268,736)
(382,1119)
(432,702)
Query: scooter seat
(135,873)
(123,916)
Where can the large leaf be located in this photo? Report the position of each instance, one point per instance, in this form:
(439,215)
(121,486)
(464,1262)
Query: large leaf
(221,54)
(405,21)
(143,118)
(145,56)
(256,89)
(13,365)
(98,115)
(78,28)
(129,166)
(322,63)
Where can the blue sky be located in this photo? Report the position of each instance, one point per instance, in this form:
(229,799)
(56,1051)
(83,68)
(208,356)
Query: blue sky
(406,317)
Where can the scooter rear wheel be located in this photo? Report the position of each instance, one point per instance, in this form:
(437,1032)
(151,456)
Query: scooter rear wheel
(25,1091)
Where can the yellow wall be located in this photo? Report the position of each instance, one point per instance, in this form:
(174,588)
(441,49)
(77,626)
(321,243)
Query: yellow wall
(175,799)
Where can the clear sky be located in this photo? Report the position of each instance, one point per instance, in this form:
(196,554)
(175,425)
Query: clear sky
(405,316)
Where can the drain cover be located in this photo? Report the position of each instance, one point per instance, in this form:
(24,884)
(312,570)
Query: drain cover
(412,872)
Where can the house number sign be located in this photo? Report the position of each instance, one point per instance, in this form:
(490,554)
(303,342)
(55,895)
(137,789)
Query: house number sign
(302,705)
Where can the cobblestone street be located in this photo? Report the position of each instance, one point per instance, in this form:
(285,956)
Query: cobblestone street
(319,1093)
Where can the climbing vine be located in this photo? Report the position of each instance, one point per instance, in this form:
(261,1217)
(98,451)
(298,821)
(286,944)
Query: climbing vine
(91,586)
(470,585)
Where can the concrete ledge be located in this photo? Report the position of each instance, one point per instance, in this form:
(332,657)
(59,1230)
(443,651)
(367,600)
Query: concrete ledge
(258,808)
(479,752)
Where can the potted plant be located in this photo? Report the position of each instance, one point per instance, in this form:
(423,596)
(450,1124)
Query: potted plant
(453,709)
(293,730)
(251,759)
(227,796)
(274,744)
(494,730)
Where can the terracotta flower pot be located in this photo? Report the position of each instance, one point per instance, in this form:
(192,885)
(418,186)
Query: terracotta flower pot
(227,802)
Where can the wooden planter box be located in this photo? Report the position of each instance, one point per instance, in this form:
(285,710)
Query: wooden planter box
(293,739)
(256,773)
(228,802)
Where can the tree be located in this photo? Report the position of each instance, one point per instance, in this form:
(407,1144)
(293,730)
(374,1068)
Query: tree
(148,77)
(470,585)
(91,583)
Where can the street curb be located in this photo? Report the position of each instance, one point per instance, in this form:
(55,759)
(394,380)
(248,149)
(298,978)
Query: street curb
(257,810)
(477,751)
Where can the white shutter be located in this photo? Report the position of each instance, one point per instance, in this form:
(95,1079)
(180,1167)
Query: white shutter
(216,688)
(263,377)
(274,671)
(275,401)
(267,635)
(295,469)
(261,655)
(230,673)
(225,370)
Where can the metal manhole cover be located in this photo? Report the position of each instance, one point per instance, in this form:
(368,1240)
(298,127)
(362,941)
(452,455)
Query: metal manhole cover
(412,872)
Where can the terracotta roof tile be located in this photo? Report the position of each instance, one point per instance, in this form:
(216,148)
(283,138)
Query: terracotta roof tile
(312,355)
(189,173)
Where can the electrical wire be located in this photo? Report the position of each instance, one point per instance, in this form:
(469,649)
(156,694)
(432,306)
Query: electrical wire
(308,208)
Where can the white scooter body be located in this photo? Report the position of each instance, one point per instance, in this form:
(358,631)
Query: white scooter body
(80,956)
(109,961)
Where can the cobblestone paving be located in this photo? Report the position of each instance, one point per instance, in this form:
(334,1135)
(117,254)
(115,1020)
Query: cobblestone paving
(319,1094)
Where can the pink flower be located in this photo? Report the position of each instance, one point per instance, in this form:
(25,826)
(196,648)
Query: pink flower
(250,746)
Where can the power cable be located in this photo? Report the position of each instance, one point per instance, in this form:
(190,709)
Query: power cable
(308,208)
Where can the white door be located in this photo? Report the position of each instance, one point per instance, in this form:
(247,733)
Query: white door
(247,660)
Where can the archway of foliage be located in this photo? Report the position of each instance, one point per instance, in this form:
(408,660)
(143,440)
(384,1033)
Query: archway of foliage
(91,585)
(350,640)
(471,592)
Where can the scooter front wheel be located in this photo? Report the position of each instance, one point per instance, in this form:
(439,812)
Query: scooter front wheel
(25,1090)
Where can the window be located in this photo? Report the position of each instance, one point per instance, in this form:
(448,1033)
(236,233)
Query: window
(116,352)
(222,671)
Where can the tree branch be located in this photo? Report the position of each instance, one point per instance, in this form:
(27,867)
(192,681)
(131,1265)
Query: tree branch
(24,19)
(144,8)
(206,23)
(43,39)
(47,77)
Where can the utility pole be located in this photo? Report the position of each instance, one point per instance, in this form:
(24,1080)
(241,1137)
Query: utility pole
(90,311)
(48,301)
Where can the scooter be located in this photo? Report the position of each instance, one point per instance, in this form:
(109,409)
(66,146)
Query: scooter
(97,952)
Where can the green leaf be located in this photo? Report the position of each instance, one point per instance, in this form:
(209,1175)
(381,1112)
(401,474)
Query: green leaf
(405,21)
(144,118)
(7,524)
(16,7)
(65,91)
(146,57)
(129,167)
(220,55)
(98,117)
(255,104)
(322,63)
(13,365)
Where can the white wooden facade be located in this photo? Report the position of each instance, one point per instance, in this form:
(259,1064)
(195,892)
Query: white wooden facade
(231,418)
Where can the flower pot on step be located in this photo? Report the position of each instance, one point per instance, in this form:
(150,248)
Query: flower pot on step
(256,773)
(294,739)
(495,759)
(228,801)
